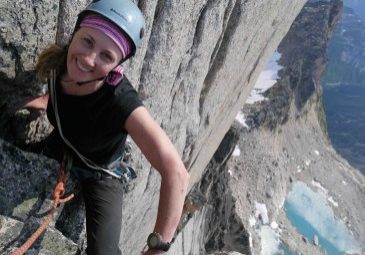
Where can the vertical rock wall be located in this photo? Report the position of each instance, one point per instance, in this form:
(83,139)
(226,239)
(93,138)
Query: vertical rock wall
(197,63)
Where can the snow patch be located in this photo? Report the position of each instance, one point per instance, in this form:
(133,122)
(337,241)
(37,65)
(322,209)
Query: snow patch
(261,213)
(274,225)
(236,151)
(267,78)
(240,117)
(325,191)
(250,239)
(332,201)
(270,241)
(299,169)
(319,186)
(230,172)
(252,221)
(316,152)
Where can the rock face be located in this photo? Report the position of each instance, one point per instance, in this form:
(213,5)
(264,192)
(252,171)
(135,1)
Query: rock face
(197,64)
(190,49)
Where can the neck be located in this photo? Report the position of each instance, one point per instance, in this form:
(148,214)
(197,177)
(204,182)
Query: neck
(73,88)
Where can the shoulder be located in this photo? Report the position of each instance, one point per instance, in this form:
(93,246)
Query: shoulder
(124,86)
(126,93)
(126,99)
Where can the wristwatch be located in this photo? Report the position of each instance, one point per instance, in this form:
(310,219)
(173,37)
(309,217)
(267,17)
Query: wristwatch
(155,242)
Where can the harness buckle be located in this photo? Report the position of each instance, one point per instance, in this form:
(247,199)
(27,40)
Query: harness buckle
(125,171)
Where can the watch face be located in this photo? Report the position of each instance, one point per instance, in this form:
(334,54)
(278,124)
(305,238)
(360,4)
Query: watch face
(154,240)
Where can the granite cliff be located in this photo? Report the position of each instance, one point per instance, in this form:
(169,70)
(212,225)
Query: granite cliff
(198,62)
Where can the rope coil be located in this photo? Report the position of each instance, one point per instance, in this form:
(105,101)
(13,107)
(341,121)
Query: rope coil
(58,193)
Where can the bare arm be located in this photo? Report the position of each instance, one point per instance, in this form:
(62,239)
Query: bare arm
(161,153)
(37,102)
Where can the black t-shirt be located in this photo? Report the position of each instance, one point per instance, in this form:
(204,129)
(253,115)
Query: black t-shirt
(94,123)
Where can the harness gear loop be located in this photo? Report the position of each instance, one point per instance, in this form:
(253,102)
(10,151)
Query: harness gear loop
(57,200)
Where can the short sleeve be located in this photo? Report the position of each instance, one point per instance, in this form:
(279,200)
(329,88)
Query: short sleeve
(127,101)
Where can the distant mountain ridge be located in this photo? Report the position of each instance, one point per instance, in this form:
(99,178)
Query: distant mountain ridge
(346,52)
(344,85)
(357,5)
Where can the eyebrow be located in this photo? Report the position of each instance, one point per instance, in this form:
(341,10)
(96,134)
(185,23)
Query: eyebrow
(90,36)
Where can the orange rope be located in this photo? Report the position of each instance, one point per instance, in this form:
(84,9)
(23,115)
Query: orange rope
(57,194)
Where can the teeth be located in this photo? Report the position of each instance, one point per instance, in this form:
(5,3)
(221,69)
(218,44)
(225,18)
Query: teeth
(84,69)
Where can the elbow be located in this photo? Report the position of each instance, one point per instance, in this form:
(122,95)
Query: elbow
(185,179)
(179,177)
(173,173)
(183,182)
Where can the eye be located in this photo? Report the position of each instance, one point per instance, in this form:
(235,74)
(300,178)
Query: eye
(106,57)
(87,42)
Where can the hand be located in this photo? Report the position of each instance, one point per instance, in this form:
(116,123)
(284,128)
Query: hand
(151,252)
(37,102)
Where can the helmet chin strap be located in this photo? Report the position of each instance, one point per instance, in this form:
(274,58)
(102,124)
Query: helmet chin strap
(80,83)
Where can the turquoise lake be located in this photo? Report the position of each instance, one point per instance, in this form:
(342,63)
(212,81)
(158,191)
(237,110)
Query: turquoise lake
(310,213)
(306,229)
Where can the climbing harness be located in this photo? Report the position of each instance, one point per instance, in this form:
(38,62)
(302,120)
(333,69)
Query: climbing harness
(58,193)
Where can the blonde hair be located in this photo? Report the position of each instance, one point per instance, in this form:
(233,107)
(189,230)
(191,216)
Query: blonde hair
(53,57)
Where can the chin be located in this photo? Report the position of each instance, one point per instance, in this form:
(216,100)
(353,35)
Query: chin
(76,75)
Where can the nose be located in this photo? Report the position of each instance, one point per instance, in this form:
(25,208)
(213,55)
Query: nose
(90,59)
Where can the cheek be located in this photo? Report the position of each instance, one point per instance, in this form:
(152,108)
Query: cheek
(71,53)
(105,69)
(74,50)
(76,46)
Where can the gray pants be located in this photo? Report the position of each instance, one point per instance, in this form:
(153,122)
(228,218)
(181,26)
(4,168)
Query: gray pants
(103,202)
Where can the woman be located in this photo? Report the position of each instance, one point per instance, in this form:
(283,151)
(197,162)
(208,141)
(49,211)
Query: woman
(93,108)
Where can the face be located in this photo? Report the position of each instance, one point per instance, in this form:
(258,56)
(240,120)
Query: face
(91,55)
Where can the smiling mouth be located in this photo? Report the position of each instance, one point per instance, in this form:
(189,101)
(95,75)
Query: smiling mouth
(82,68)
